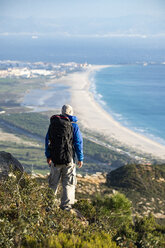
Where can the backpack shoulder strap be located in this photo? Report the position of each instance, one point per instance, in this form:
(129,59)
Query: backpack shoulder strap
(59,117)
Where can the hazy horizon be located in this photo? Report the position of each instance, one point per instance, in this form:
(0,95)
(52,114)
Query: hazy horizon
(139,18)
(83,31)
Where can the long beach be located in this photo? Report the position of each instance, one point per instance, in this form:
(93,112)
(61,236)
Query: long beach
(95,119)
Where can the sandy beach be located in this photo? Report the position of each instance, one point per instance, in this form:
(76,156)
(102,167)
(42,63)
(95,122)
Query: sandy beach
(95,119)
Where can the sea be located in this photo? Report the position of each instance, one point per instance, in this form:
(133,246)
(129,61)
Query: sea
(132,90)
(135,96)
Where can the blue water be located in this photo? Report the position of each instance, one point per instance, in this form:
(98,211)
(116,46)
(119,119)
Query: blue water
(135,96)
(91,50)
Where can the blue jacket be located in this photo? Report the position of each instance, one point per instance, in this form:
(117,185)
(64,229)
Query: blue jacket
(77,140)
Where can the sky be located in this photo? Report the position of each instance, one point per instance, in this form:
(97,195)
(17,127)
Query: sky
(79,8)
(85,17)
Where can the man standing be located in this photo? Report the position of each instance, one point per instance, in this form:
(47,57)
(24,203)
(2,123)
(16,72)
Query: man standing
(63,141)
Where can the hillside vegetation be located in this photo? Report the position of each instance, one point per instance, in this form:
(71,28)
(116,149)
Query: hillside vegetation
(33,127)
(144,185)
(143,178)
(29,217)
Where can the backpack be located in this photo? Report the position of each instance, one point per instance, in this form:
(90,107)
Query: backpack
(61,139)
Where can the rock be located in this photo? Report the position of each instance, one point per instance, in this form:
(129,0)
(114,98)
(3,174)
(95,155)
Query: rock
(87,176)
(99,173)
(94,175)
(38,175)
(79,175)
(8,164)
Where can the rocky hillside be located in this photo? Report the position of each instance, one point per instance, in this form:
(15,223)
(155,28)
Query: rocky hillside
(102,216)
(143,184)
(149,179)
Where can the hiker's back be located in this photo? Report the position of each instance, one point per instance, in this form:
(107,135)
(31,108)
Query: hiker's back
(61,139)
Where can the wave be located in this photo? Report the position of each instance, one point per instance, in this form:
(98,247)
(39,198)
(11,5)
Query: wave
(97,96)
(147,133)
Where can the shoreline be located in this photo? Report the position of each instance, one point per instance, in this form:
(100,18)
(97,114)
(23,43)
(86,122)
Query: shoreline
(94,118)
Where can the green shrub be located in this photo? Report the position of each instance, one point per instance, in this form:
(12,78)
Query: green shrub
(147,234)
(108,212)
(95,240)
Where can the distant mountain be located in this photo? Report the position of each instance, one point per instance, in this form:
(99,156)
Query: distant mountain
(130,25)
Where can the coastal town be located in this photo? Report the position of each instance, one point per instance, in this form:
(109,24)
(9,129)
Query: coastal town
(17,69)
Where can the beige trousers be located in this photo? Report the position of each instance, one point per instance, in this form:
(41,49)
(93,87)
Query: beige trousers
(67,174)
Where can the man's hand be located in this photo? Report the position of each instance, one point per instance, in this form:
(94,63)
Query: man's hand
(49,161)
(80,164)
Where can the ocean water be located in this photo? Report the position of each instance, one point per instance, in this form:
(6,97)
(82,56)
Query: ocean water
(59,49)
(135,96)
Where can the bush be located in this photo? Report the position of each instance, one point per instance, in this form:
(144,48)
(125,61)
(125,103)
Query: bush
(147,234)
(107,213)
(95,240)
(29,217)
